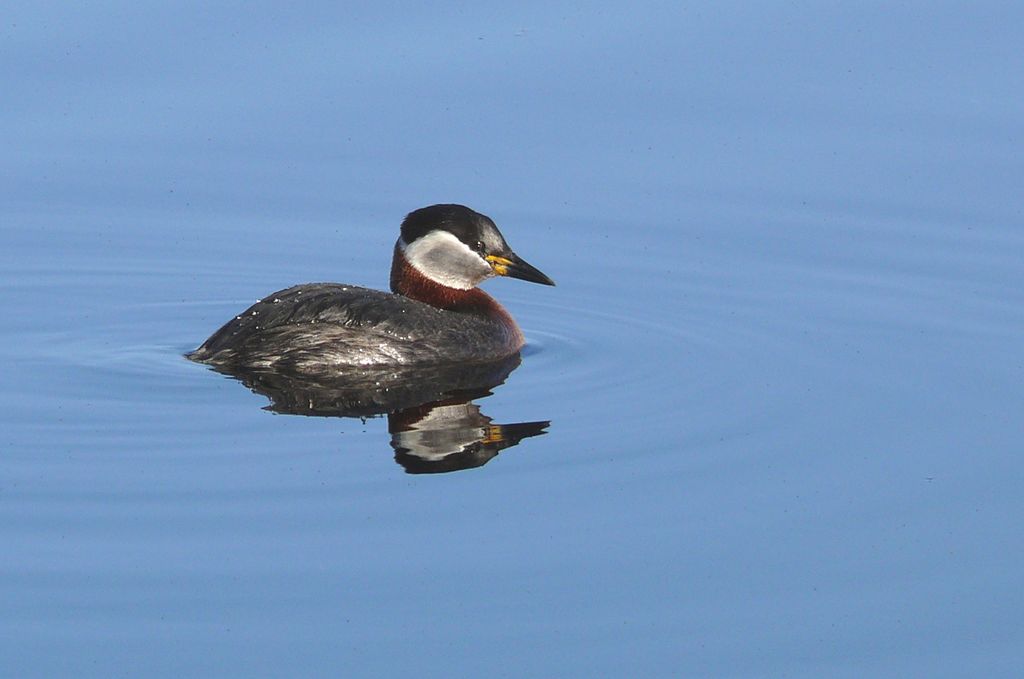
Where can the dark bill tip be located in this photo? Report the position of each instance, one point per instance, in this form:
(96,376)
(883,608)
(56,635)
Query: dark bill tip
(514,266)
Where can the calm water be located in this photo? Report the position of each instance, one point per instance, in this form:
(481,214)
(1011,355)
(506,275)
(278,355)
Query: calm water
(782,366)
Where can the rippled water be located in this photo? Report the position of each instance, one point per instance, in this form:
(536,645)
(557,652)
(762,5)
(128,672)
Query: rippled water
(781,368)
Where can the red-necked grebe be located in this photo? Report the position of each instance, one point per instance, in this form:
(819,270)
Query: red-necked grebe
(435,315)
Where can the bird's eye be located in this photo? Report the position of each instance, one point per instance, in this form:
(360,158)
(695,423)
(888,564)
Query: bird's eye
(479,246)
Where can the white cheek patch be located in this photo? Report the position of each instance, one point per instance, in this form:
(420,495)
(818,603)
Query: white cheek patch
(445,259)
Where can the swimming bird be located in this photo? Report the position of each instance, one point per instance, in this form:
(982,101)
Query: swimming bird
(434,313)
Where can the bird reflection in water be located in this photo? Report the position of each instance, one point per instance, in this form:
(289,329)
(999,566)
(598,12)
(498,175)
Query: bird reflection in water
(434,425)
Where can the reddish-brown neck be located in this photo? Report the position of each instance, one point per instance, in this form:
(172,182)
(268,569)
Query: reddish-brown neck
(407,281)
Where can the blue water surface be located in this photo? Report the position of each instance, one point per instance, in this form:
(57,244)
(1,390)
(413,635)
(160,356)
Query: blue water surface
(782,364)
